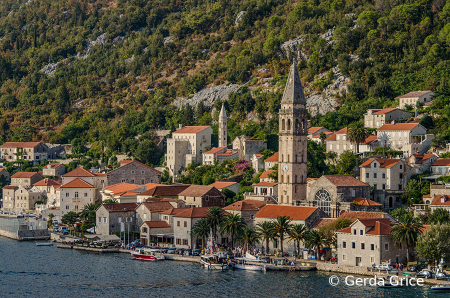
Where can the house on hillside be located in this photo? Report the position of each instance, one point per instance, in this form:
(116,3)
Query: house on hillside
(420,163)
(375,118)
(202,196)
(246,208)
(247,146)
(441,167)
(414,97)
(115,218)
(25,179)
(54,169)
(31,151)
(221,185)
(271,161)
(134,172)
(150,211)
(162,191)
(97,180)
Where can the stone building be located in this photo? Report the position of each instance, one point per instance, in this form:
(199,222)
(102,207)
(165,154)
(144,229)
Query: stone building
(375,118)
(338,142)
(76,194)
(202,196)
(412,98)
(257,162)
(366,242)
(54,169)
(246,208)
(186,147)
(441,167)
(134,172)
(221,185)
(406,137)
(115,218)
(292,142)
(26,198)
(150,211)
(50,189)
(162,191)
(386,173)
(5,173)
(32,151)
(25,179)
(333,194)
(420,163)
(158,232)
(271,161)
(266,176)
(9,198)
(98,180)
(223,135)
(315,131)
(247,147)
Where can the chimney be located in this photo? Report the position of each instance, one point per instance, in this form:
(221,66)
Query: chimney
(180,126)
(443,199)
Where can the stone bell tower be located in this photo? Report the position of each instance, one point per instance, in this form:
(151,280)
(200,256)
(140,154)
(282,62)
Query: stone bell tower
(223,127)
(293,131)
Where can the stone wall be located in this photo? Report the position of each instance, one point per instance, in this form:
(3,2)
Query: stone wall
(134,173)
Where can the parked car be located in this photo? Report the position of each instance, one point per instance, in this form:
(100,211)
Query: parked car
(65,232)
(415,268)
(55,229)
(196,252)
(384,267)
(424,273)
(172,250)
(442,276)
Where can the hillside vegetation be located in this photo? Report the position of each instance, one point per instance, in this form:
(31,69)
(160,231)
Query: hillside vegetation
(119,64)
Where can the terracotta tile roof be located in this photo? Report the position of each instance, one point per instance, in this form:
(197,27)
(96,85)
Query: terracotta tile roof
(313,129)
(194,212)
(344,130)
(121,187)
(215,150)
(429,103)
(157,206)
(267,184)
(47,182)
(397,126)
(10,187)
(294,212)
(20,144)
(344,180)
(171,200)
(370,140)
(2,169)
(258,155)
(327,133)
(382,111)
(129,194)
(246,205)
(54,165)
(79,172)
(164,190)
(266,174)
(322,222)
(384,162)
(274,157)
(77,183)
(199,190)
(374,226)
(24,174)
(222,184)
(441,162)
(151,185)
(311,179)
(414,94)
(120,207)
(125,162)
(441,200)
(354,215)
(191,129)
(364,202)
(332,137)
(157,224)
(229,152)
(174,211)
(420,158)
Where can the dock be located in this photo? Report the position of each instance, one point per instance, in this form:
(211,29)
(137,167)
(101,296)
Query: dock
(86,248)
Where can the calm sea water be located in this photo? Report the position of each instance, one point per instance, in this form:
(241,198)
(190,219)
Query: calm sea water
(27,270)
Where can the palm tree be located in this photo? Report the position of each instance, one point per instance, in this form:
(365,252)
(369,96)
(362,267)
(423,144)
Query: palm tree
(314,240)
(214,216)
(232,225)
(249,236)
(50,220)
(322,137)
(201,229)
(357,134)
(406,232)
(297,233)
(281,227)
(266,231)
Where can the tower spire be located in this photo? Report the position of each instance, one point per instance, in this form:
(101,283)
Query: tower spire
(223,127)
(293,92)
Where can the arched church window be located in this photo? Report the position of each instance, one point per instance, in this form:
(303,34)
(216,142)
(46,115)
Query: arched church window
(296,180)
(289,124)
(322,200)
(288,158)
(287,181)
(282,125)
(302,180)
(297,128)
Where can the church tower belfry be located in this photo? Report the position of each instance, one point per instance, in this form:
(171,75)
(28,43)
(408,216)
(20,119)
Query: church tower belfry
(292,144)
(223,127)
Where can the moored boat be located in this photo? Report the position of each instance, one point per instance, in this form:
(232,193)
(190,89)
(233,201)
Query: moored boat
(441,288)
(214,262)
(45,244)
(247,264)
(148,254)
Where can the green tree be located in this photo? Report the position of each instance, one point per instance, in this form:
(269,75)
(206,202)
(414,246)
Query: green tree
(201,229)
(249,236)
(282,226)
(50,220)
(267,232)
(314,240)
(439,216)
(70,218)
(322,137)
(357,135)
(405,232)
(346,163)
(232,225)
(297,233)
(434,244)
(148,153)
(214,216)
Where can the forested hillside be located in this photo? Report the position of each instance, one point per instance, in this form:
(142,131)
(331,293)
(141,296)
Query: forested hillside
(106,71)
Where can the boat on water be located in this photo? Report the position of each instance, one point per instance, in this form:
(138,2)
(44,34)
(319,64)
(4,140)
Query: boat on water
(441,288)
(247,264)
(148,254)
(388,284)
(45,244)
(214,262)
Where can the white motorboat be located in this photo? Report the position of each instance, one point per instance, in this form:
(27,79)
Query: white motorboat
(148,254)
(441,288)
(214,262)
(247,264)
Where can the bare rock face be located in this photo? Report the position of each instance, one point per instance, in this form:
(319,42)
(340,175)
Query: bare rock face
(49,69)
(208,96)
(239,17)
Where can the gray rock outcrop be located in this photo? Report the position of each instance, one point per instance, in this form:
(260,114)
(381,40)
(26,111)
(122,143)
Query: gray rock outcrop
(208,96)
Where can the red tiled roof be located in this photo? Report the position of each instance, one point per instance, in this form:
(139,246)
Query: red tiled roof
(229,152)
(54,165)
(164,190)
(413,94)
(125,162)
(354,215)
(438,200)
(191,129)
(397,126)
(344,130)
(331,137)
(120,207)
(441,162)
(364,202)
(384,162)
(222,184)
(47,182)
(322,222)
(157,224)
(313,129)
(121,187)
(274,157)
(77,183)
(246,205)
(258,155)
(24,174)
(267,184)
(382,111)
(370,139)
(79,172)
(327,133)
(20,144)
(194,212)
(293,212)
(174,211)
(266,174)
(9,187)
(157,206)
(344,180)
(198,190)
(429,103)
(376,226)
(129,194)
(215,150)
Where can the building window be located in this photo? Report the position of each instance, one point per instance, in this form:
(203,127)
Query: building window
(144,230)
(67,207)
(132,172)
(344,257)
(374,175)
(386,246)
(344,244)
(383,186)
(401,175)
(383,176)
(361,232)
(76,194)
(363,246)
(178,241)
(185,224)
(367,175)
(185,242)
(374,165)
(99,219)
(354,231)
(85,194)
(323,201)
(76,207)
(372,247)
(375,186)
(143,172)
(401,166)
(178,223)
(145,215)
(353,245)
